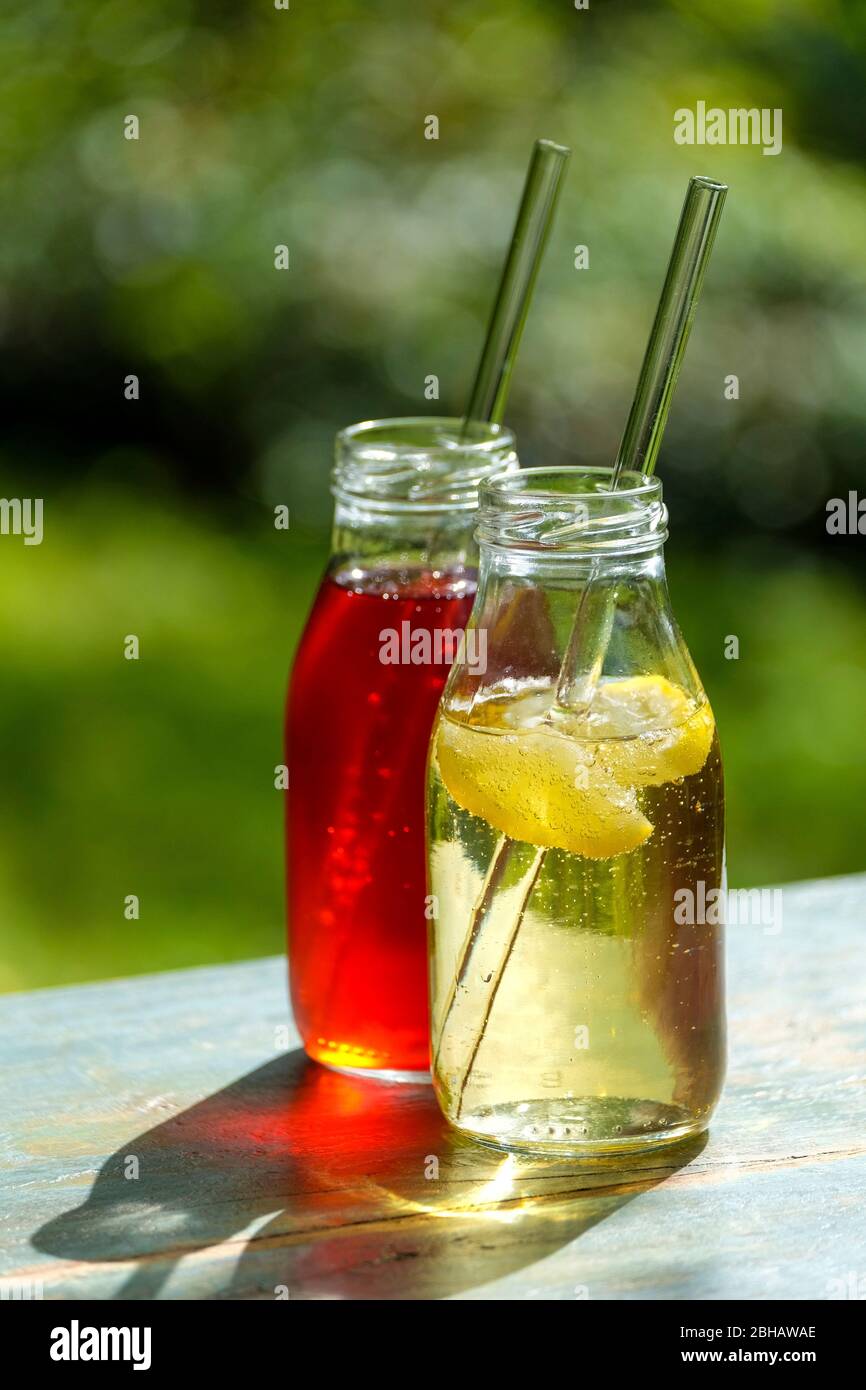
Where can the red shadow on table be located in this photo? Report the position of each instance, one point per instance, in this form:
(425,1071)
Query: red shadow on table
(299,1182)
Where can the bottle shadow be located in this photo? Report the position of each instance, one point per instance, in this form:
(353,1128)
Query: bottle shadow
(299,1182)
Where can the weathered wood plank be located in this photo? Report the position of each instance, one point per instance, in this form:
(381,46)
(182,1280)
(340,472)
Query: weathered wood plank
(257,1170)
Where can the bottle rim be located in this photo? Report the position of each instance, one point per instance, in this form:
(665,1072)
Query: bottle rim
(419,463)
(571,510)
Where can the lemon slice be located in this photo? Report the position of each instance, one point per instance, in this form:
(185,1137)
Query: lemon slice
(674,739)
(543,786)
(536,786)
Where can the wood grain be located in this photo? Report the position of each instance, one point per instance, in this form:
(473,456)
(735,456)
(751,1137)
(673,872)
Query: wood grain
(260,1175)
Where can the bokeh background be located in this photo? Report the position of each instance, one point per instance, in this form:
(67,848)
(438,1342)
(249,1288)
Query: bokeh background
(305,127)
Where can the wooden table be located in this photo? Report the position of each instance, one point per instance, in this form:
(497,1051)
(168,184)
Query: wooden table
(164,1137)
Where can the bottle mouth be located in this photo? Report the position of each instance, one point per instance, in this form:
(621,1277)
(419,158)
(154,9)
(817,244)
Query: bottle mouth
(572,511)
(419,463)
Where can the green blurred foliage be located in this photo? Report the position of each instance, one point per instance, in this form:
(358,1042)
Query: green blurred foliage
(305,127)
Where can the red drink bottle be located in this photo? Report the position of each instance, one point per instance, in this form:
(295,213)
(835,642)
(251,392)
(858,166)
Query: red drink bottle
(365,686)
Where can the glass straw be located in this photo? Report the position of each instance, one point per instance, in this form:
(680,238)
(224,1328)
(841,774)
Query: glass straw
(693,244)
(517,282)
(593,623)
(584,655)
(511,307)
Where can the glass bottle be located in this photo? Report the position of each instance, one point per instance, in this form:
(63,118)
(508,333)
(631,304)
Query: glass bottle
(365,685)
(575,829)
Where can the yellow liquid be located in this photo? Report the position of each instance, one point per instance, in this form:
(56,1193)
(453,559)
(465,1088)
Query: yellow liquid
(576,985)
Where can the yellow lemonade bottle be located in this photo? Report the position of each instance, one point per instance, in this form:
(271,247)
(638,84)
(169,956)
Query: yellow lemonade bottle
(576,973)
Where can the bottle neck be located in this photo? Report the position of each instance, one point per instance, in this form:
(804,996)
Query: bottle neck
(572,590)
(406,493)
(574,569)
(564,519)
(541,617)
(400,542)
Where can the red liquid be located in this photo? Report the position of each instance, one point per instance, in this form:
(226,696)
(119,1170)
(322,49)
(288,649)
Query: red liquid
(357,732)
